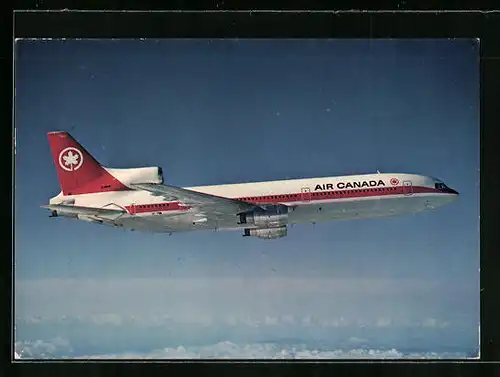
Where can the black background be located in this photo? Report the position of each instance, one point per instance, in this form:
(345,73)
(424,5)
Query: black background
(220,23)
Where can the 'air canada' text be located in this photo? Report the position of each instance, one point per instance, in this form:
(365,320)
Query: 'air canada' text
(344,185)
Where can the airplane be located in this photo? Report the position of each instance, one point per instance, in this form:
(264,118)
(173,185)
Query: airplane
(138,199)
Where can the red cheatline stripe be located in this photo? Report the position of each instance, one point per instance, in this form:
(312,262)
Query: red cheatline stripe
(296,197)
(156,207)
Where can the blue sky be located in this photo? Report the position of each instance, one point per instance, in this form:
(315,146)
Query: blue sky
(228,111)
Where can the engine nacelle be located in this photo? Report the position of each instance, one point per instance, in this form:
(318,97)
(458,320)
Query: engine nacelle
(273,216)
(267,233)
(138,175)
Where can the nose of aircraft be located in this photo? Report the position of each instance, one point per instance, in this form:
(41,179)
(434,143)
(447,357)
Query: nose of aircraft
(453,191)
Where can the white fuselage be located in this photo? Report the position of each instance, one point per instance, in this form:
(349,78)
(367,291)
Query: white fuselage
(308,200)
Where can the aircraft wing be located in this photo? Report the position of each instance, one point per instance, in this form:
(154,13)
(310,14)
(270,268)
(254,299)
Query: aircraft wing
(204,202)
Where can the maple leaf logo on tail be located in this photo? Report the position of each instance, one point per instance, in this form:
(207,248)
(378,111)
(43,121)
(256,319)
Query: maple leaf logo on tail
(73,159)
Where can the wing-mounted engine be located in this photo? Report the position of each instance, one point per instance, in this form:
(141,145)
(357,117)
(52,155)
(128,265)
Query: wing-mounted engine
(270,222)
(267,233)
(138,175)
(270,217)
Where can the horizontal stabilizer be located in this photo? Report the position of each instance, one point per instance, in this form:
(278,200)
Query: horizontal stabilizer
(77,210)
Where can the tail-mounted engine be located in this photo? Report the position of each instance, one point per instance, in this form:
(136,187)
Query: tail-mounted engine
(138,175)
(271,217)
(267,233)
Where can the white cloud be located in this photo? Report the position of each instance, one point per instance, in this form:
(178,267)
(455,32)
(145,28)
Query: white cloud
(41,348)
(106,319)
(434,323)
(288,319)
(430,322)
(384,322)
(354,339)
(271,321)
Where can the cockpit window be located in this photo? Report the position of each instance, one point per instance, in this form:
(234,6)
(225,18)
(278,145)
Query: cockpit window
(440,186)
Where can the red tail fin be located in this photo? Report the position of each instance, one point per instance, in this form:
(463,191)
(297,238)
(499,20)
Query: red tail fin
(78,171)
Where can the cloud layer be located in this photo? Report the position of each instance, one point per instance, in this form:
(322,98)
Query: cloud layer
(229,350)
(288,320)
(114,316)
